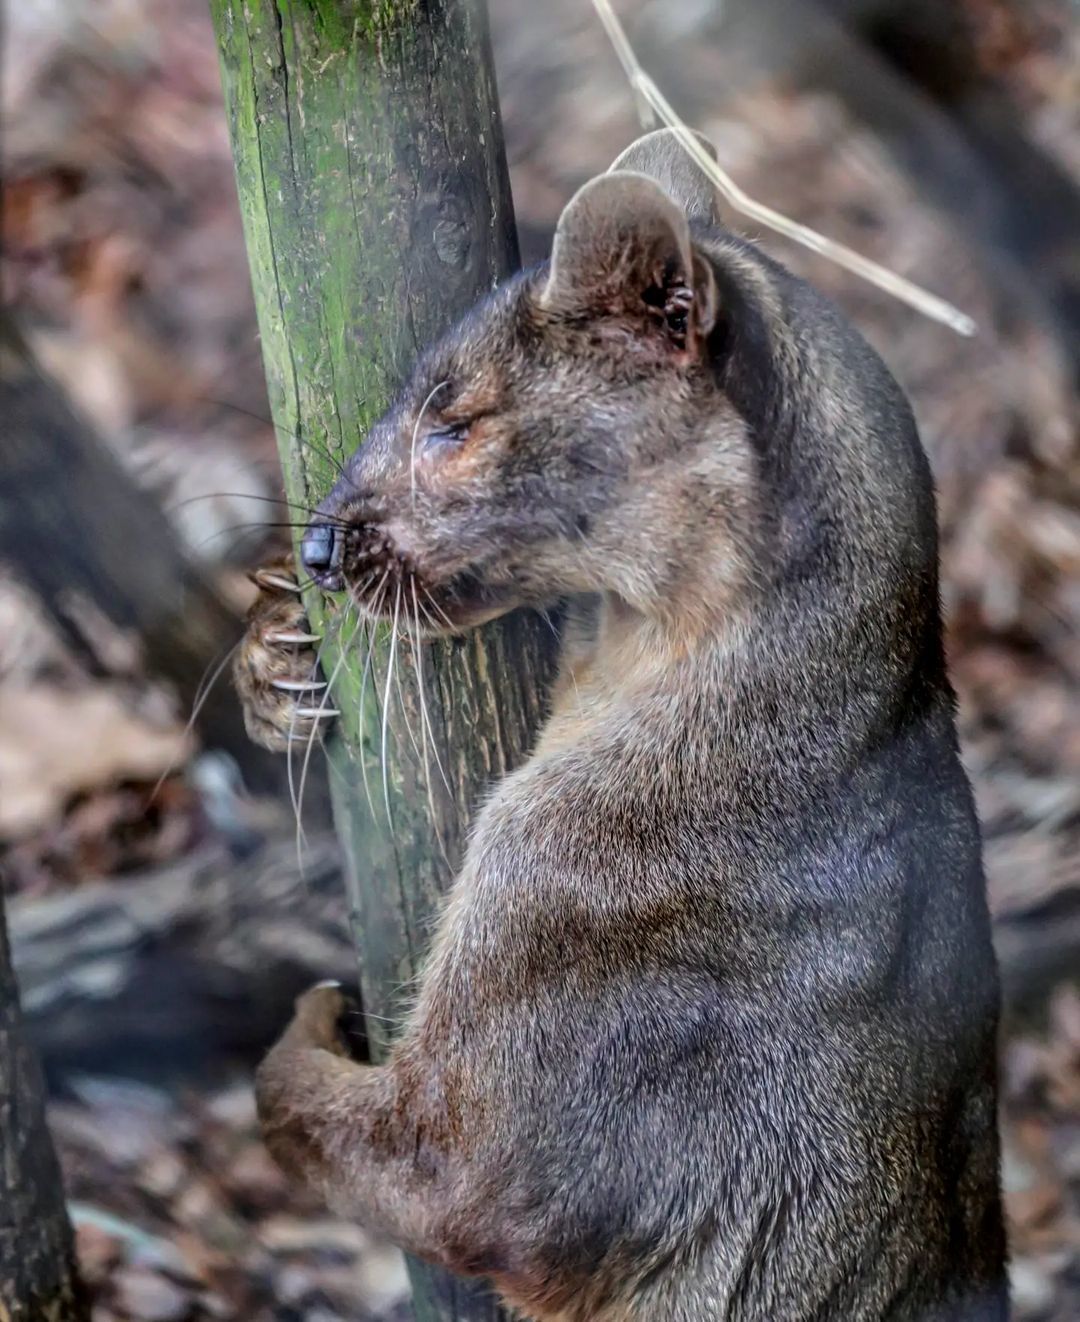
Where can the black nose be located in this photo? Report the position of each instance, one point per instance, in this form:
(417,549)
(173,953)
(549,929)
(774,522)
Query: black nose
(321,550)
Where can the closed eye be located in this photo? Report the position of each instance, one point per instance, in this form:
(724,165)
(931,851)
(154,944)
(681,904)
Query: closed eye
(446,437)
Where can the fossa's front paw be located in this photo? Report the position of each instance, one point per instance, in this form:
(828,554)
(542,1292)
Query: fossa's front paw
(319,1018)
(328,1019)
(283,1082)
(276,670)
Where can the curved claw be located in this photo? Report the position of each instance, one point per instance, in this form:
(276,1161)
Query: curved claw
(298,685)
(292,636)
(268,578)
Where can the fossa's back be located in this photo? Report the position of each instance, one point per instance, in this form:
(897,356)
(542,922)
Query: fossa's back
(708,1029)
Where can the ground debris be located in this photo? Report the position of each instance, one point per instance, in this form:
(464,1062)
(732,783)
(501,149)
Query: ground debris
(181,1215)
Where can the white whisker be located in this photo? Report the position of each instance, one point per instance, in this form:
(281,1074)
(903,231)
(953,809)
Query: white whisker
(427,732)
(401,697)
(369,666)
(435,606)
(320,713)
(386,706)
(298,711)
(412,447)
(202,693)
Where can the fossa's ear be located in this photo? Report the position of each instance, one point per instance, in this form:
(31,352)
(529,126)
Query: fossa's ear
(622,252)
(662,156)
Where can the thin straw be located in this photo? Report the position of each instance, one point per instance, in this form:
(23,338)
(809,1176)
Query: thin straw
(930,305)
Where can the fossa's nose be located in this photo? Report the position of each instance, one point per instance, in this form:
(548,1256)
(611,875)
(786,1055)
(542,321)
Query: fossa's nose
(322,548)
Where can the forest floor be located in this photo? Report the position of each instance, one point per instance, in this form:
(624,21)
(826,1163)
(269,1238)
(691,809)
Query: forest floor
(125,264)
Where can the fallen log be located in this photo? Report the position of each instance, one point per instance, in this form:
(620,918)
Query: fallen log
(178,968)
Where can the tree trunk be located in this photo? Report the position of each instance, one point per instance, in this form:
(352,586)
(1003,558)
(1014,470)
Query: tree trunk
(82,534)
(376,205)
(37,1271)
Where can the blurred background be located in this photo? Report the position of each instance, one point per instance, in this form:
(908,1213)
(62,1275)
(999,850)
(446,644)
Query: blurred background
(159,923)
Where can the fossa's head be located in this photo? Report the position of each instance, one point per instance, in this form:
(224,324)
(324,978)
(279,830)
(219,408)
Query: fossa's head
(568,435)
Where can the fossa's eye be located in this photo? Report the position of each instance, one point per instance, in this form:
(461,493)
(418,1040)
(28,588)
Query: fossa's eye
(446,438)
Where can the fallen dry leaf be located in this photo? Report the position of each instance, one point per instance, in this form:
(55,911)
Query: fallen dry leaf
(56,743)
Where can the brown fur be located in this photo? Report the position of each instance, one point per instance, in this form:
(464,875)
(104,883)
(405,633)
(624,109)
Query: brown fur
(707,1029)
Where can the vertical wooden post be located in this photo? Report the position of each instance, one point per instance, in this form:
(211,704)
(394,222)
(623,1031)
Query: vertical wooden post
(376,204)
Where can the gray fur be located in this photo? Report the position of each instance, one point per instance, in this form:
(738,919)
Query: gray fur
(708,1028)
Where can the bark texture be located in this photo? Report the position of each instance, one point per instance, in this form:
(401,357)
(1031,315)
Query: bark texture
(376,206)
(37,1272)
